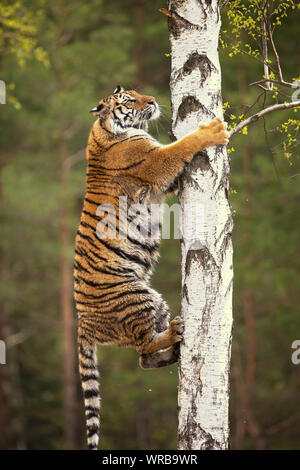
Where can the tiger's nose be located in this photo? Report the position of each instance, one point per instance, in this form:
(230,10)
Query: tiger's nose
(151,100)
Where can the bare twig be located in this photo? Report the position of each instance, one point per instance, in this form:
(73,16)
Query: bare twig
(270,149)
(263,112)
(263,93)
(279,427)
(165,12)
(75,158)
(278,82)
(269,84)
(261,61)
(274,49)
(19,337)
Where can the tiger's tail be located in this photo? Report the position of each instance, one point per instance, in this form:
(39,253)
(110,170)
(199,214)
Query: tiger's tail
(89,375)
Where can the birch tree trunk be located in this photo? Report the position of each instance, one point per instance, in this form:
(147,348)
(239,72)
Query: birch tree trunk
(206,230)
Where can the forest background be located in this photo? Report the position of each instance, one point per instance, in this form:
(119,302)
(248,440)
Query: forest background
(58,59)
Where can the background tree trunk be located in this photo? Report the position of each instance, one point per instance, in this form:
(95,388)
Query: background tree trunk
(139,50)
(206,246)
(3,402)
(67,313)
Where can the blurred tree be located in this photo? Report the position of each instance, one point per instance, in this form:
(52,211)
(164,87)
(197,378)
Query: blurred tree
(18,36)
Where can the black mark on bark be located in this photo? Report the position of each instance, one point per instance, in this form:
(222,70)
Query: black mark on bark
(217,99)
(201,161)
(203,258)
(199,255)
(185,293)
(200,62)
(208,5)
(226,194)
(193,432)
(188,105)
(177,3)
(171,135)
(177,24)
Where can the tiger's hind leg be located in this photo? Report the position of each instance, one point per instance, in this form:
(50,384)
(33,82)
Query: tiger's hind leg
(162,358)
(148,341)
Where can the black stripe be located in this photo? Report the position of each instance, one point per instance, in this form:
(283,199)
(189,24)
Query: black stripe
(82,251)
(92,296)
(137,312)
(124,307)
(120,295)
(142,335)
(101,147)
(93,216)
(125,255)
(79,266)
(87,225)
(129,271)
(91,393)
(91,408)
(85,378)
(94,154)
(84,353)
(92,429)
(102,194)
(87,367)
(133,165)
(104,271)
(90,240)
(151,150)
(136,323)
(91,415)
(89,283)
(132,137)
(91,202)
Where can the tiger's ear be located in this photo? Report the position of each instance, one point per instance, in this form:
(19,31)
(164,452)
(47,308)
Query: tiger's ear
(96,111)
(118,89)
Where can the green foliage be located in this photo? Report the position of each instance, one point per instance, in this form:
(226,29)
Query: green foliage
(245,20)
(290,129)
(249,31)
(18,30)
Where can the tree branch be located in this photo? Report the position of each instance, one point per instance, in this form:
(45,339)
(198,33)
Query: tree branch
(269,85)
(263,112)
(278,82)
(274,50)
(165,12)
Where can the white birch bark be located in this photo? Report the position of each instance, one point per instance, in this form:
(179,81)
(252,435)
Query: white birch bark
(206,252)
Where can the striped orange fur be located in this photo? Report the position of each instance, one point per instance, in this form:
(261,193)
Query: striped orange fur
(114,300)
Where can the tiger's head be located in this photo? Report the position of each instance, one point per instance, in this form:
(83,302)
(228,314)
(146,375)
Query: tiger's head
(126,109)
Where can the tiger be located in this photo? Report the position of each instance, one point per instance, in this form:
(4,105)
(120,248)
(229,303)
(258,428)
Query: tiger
(114,300)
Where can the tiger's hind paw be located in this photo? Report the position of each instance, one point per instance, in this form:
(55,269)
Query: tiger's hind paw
(177,329)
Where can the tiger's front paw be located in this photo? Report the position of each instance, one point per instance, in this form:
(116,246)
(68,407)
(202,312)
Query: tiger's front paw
(215,132)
